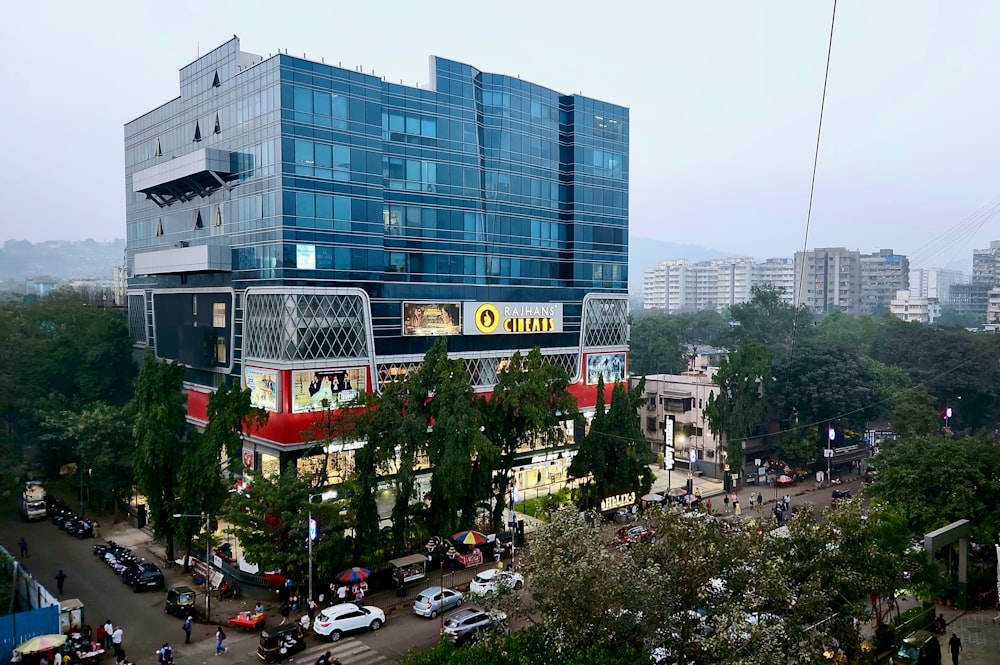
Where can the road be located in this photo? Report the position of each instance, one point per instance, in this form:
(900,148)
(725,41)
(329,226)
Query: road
(147,627)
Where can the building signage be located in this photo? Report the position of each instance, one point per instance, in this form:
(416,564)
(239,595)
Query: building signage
(315,390)
(432,319)
(511,318)
(248,459)
(617,501)
(611,366)
(263,387)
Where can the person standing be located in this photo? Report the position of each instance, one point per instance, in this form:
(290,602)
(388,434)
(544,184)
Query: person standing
(955,646)
(342,593)
(187,631)
(116,643)
(284,611)
(60,580)
(737,509)
(725,500)
(220,637)
(760,502)
(23,544)
(109,628)
(311,610)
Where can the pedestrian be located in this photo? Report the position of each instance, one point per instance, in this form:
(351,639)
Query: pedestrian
(284,611)
(220,637)
(401,578)
(60,580)
(737,509)
(994,619)
(117,635)
(109,628)
(23,544)
(359,596)
(102,636)
(311,610)
(760,501)
(187,631)
(57,659)
(955,646)
(342,593)
(708,506)
(697,493)
(725,500)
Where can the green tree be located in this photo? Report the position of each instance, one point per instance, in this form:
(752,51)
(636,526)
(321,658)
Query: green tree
(159,417)
(744,380)
(529,400)
(703,326)
(913,413)
(654,347)
(769,321)
(798,448)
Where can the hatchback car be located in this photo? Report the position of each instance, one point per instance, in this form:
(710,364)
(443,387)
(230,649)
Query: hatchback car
(464,625)
(491,579)
(433,600)
(142,576)
(635,533)
(336,620)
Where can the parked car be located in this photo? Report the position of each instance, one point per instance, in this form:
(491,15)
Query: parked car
(433,600)
(142,576)
(464,625)
(336,620)
(489,580)
(920,647)
(632,534)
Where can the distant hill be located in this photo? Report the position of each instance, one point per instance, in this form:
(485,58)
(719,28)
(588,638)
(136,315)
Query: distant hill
(644,253)
(60,259)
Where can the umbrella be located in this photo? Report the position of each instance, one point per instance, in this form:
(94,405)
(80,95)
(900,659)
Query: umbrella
(469,538)
(40,644)
(676,491)
(654,498)
(784,480)
(352,575)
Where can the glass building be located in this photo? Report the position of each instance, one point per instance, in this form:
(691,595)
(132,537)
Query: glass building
(309,230)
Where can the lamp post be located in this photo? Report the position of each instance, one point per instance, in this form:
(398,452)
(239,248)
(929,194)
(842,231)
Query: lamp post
(208,561)
(831,434)
(435,545)
(326,496)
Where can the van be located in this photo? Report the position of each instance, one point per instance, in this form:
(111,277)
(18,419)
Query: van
(921,647)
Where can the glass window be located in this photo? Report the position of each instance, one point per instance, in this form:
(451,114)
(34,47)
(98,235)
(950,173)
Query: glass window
(396,122)
(304,152)
(339,112)
(341,208)
(322,103)
(221,353)
(341,157)
(303,100)
(305,204)
(413,174)
(324,206)
(323,153)
(428,127)
(412,124)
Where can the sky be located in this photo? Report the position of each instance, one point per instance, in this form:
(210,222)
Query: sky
(724,102)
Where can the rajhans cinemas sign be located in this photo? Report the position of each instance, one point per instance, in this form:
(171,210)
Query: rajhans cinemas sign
(511,318)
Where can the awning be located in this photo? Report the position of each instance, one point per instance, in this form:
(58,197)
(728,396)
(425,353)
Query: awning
(410,560)
(197,173)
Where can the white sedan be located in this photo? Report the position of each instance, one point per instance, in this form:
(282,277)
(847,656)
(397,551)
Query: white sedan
(336,620)
(489,580)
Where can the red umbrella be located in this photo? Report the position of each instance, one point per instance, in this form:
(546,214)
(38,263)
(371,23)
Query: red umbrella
(352,575)
(469,538)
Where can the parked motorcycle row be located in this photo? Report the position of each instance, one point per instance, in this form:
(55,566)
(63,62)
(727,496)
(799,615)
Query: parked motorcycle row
(67,520)
(118,557)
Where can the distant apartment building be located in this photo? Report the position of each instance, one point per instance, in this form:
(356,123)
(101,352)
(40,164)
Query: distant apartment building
(828,279)
(909,307)
(986,264)
(971,299)
(993,306)
(934,283)
(678,284)
(882,274)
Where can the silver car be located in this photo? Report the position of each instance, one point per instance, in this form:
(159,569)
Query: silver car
(433,600)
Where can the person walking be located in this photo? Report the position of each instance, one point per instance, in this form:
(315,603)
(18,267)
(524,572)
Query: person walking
(284,611)
(187,630)
(760,502)
(60,580)
(23,544)
(955,646)
(220,637)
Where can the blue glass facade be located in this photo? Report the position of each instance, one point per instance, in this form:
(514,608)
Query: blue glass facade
(480,187)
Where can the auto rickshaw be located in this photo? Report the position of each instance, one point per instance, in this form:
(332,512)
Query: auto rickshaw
(180,601)
(280,642)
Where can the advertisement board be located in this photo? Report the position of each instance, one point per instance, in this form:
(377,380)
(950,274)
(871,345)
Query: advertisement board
(263,386)
(609,365)
(512,318)
(314,390)
(432,319)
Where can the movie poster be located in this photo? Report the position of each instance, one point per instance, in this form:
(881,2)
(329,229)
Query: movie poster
(432,319)
(263,386)
(315,390)
(609,365)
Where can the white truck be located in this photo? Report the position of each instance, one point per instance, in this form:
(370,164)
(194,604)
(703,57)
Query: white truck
(33,501)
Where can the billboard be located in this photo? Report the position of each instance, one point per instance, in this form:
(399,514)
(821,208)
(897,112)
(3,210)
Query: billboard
(432,319)
(511,318)
(609,365)
(335,387)
(263,386)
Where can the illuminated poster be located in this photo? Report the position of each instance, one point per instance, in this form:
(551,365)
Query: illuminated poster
(263,386)
(609,365)
(314,390)
(512,318)
(431,319)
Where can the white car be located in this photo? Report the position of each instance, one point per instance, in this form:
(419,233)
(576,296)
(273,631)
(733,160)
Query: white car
(336,620)
(489,580)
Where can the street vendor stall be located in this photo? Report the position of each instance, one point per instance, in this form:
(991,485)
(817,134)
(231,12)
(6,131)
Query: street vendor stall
(413,567)
(248,620)
(472,555)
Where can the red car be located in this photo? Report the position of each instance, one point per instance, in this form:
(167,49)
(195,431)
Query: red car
(634,533)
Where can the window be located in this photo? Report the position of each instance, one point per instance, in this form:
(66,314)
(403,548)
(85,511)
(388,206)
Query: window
(194,305)
(218,127)
(157,152)
(197,131)
(221,355)
(159,228)
(650,424)
(216,82)
(197,220)
(219,315)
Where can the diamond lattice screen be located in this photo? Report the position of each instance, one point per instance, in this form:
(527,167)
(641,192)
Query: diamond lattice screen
(605,322)
(304,326)
(137,317)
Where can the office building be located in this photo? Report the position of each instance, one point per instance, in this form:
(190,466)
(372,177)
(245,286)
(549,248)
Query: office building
(971,299)
(309,230)
(934,283)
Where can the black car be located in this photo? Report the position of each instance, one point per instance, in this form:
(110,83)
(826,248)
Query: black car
(142,576)
(463,626)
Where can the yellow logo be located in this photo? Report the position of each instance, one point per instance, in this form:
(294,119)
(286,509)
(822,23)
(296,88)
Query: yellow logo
(487,318)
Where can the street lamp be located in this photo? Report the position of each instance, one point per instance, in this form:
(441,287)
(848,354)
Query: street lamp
(208,561)
(326,496)
(831,435)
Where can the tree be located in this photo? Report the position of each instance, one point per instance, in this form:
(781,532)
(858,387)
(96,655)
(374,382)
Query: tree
(654,347)
(159,417)
(744,380)
(703,326)
(770,322)
(914,414)
(528,401)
